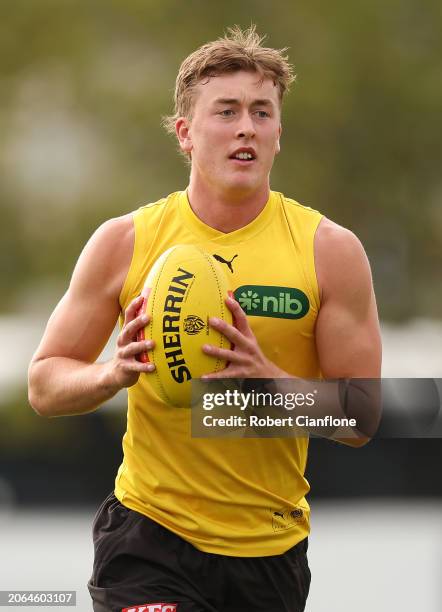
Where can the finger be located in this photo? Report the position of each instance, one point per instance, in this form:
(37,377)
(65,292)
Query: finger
(143,306)
(129,331)
(132,310)
(239,317)
(135,348)
(230,332)
(224,354)
(146,292)
(138,366)
(226,373)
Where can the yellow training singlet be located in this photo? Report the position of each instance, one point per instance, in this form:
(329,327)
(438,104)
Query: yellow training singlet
(241,497)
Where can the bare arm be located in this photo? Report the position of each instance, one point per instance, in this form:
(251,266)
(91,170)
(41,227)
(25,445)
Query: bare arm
(347,329)
(63,376)
(348,337)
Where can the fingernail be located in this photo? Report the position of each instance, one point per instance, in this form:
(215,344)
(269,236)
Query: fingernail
(148,344)
(207,347)
(214,320)
(151,367)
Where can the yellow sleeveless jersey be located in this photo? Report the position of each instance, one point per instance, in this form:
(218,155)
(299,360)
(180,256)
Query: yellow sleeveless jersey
(241,497)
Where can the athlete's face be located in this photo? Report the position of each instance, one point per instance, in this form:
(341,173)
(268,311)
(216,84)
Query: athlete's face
(234,132)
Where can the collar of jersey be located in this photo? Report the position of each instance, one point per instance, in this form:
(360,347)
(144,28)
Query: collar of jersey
(198,227)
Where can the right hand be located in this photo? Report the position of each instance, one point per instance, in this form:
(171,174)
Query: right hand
(124,368)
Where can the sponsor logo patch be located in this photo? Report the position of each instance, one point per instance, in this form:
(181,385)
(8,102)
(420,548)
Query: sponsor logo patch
(152,607)
(276,302)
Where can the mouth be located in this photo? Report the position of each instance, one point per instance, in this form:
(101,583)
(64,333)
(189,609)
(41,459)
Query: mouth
(243,156)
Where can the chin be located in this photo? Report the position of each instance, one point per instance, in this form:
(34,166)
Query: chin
(244,183)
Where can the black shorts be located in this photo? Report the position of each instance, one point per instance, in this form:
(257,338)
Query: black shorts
(140,566)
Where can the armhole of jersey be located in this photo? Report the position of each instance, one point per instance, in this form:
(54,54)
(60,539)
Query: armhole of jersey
(307,252)
(312,265)
(133,271)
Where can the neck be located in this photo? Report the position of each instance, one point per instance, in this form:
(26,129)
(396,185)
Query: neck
(226,211)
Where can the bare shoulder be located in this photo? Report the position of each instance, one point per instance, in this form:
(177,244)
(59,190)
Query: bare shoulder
(106,256)
(340,260)
(117,232)
(336,240)
(91,306)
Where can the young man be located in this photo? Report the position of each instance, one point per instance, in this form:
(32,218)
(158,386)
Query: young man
(211,524)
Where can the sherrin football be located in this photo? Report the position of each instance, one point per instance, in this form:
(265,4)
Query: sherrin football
(187,286)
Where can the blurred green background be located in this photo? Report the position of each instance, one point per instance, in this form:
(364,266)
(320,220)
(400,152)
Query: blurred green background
(84,86)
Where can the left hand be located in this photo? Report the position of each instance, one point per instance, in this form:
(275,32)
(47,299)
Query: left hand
(245,358)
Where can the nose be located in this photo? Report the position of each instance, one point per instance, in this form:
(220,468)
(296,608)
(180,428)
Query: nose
(246,127)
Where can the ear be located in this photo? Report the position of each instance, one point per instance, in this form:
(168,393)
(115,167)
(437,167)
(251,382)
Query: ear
(182,129)
(278,144)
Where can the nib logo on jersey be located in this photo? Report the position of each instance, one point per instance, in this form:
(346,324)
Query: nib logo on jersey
(276,302)
(154,607)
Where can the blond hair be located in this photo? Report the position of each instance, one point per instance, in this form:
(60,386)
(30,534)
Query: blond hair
(236,50)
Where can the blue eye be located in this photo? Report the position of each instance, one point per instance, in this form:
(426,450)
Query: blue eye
(228,112)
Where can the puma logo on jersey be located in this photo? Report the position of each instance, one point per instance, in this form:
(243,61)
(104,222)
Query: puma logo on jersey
(286,518)
(154,607)
(225,261)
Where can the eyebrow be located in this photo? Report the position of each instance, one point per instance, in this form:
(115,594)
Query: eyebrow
(235,101)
